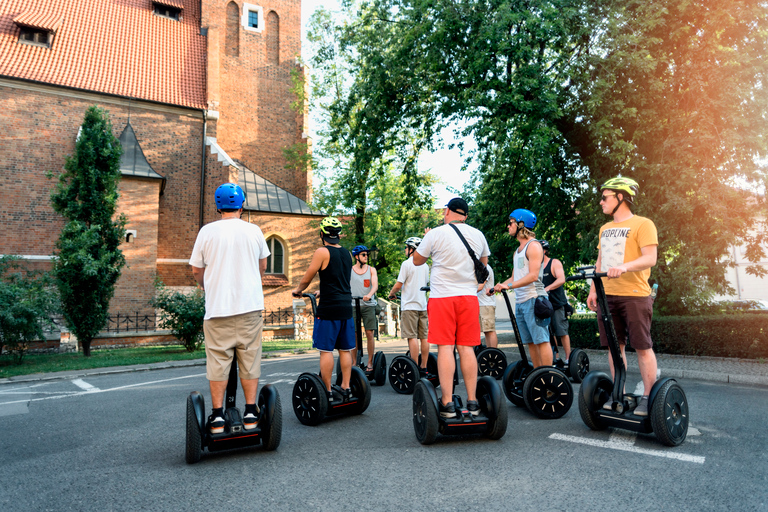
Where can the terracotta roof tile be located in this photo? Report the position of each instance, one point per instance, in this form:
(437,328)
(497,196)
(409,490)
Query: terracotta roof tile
(42,20)
(178,4)
(112,46)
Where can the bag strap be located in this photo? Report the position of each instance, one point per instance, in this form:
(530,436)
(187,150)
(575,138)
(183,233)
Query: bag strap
(469,249)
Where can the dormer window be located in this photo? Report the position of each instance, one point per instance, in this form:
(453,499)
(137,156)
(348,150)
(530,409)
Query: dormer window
(36,36)
(168,9)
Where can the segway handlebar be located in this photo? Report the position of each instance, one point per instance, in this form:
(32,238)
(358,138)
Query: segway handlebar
(313,300)
(583,273)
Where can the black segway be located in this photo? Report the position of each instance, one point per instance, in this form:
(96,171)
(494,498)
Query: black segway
(310,400)
(545,391)
(378,375)
(404,372)
(667,404)
(490,361)
(578,360)
(268,430)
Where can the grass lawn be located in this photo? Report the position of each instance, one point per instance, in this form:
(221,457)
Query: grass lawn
(101,358)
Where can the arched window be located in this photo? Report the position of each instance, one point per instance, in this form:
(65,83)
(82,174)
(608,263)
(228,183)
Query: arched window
(273,38)
(232,43)
(275,259)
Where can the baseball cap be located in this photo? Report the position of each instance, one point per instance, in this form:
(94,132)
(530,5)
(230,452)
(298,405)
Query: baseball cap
(458,205)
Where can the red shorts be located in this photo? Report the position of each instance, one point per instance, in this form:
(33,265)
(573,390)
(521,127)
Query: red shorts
(454,320)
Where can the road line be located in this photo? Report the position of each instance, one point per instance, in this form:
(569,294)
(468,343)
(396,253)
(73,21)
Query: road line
(623,446)
(85,386)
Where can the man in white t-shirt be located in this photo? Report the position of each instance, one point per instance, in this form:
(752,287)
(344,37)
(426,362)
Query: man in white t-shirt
(413,304)
(488,311)
(228,262)
(454,313)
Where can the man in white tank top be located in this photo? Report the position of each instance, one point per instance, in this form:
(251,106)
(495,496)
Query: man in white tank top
(527,266)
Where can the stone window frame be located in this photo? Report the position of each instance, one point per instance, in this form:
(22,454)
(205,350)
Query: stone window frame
(244,21)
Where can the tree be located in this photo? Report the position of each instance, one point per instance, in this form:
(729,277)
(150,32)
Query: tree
(562,95)
(27,302)
(88,260)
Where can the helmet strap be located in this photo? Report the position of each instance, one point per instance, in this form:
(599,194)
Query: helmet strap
(619,201)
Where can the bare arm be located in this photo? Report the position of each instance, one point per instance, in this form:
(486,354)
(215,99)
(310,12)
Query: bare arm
(199,275)
(395,289)
(418,259)
(262,266)
(535,254)
(319,260)
(374,285)
(558,273)
(645,261)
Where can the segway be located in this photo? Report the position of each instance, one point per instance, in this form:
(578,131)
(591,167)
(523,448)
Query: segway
(545,391)
(378,375)
(667,404)
(490,361)
(578,360)
(268,430)
(310,399)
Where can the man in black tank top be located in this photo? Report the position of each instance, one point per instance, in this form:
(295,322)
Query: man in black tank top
(553,279)
(333,327)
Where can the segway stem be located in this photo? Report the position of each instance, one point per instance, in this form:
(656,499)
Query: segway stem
(358,331)
(231,398)
(512,317)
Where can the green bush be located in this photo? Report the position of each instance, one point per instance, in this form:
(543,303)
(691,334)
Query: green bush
(731,335)
(182,314)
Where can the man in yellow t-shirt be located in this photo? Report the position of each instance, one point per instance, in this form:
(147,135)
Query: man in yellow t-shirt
(627,250)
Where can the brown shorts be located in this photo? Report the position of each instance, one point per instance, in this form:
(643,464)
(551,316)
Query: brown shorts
(225,335)
(631,318)
(414,324)
(487,318)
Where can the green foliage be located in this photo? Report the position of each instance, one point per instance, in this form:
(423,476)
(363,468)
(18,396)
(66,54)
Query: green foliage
(27,302)
(182,314)
(734,335)
(88,258)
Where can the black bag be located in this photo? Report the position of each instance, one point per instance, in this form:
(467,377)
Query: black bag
(542,308)
(481,271)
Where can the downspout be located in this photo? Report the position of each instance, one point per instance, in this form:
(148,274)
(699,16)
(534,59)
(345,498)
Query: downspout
(202,168)
(736,268)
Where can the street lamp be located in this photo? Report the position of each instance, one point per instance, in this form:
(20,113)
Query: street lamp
(373,253)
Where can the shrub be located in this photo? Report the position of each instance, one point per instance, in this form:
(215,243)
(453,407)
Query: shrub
(182,314)
(731,335)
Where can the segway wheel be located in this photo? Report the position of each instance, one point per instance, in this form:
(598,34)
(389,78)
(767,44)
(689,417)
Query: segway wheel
(310,403)
(403,375)
(548,393)
(424,415)
(432,363)
(492,405)
(578,365)
(271,421)
(478,348)
(512,381)
(595,391)
(491,362)
(379,368)
(361,390)
(194,436)
(669,414)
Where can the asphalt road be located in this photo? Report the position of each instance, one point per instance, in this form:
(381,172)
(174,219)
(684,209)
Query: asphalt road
(116,442)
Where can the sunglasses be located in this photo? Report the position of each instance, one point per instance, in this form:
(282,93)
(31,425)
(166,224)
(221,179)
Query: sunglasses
(605,197)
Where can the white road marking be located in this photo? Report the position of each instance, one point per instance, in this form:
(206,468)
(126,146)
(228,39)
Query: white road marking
(622,444)
(85,386)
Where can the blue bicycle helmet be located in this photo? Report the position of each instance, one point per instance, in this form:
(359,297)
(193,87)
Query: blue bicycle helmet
(527,217)
(358,249)
(229,197)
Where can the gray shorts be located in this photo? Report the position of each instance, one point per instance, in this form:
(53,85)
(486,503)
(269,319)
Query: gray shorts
(559,322)
(370,322)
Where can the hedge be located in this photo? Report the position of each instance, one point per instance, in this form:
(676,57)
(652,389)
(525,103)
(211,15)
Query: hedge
(740,335)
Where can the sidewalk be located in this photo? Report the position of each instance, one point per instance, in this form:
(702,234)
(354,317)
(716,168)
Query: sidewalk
(714,369)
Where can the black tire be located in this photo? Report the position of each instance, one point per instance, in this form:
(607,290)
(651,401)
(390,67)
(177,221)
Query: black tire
(493,405)
(403,375)
(432,363)
(548,393)
(590,402)
(361,390)
(379,368)
(513,380)
(478,348)
(669,414)
(578,365)
(194,448)
(491,362)
(310,401)
(271,425)
(425,421)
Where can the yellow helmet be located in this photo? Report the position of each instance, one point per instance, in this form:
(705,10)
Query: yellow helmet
(330,226)
(622,184)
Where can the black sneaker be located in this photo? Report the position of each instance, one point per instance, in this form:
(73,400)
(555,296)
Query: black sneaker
(330,396)
(446,411)
(346,394)
(216,422)
(473,407)
(251,417)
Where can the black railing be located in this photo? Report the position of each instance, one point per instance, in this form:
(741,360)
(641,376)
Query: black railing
(281,316)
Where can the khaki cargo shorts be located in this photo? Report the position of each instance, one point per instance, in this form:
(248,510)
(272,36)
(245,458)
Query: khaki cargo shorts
(225,335)
(414,324)
(487,318)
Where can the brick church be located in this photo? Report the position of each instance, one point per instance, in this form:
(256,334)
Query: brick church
(199,93)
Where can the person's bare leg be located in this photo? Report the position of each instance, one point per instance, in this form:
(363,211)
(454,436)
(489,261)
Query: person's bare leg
(446,366)
(468,363)
(491,340)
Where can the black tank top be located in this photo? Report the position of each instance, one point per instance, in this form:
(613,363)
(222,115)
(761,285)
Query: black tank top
(335,293)
(556,296)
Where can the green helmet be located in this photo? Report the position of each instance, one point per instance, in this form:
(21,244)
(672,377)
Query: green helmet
(621,184)
(330,226)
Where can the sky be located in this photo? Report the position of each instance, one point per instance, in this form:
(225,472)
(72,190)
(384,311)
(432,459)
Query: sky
(444,163)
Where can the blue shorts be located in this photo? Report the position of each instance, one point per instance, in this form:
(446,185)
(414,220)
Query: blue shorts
(333,334)
(532,329)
